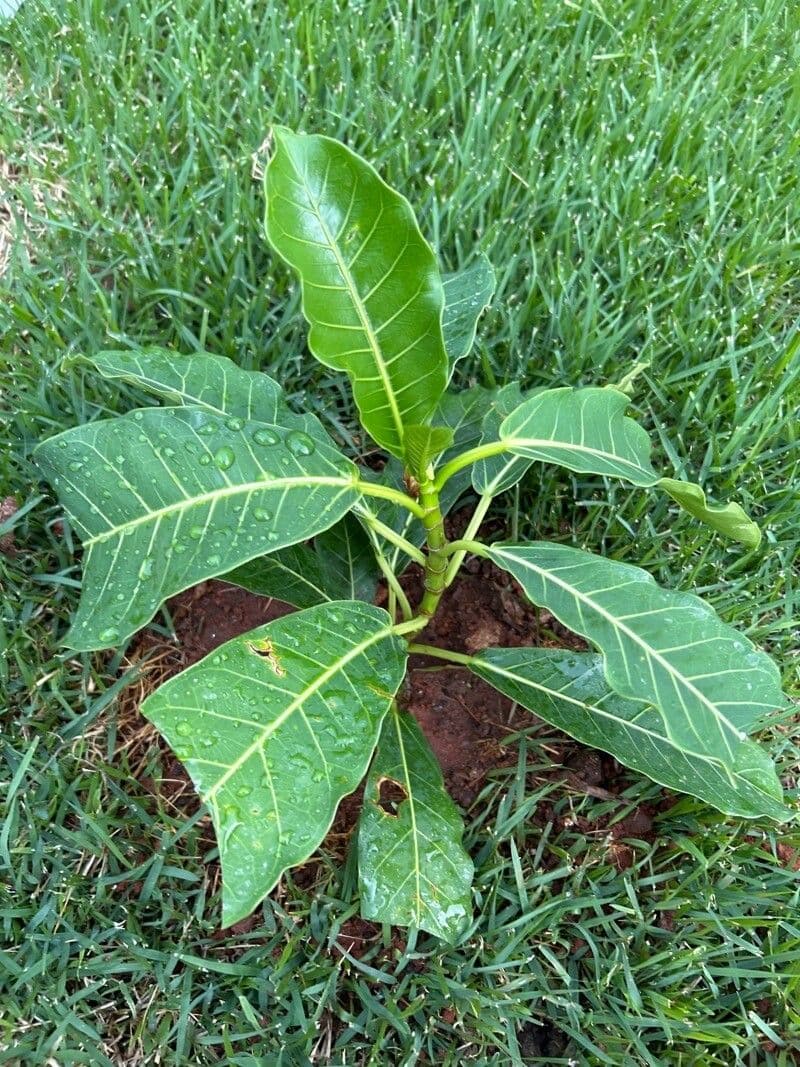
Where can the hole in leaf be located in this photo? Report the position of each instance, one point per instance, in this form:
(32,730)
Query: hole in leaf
(390,796)
(266,651)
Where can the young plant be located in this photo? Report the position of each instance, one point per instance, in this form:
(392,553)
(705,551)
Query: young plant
(276,726)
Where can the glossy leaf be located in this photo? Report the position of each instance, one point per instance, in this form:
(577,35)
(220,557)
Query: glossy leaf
(202,380)
(499,473)
(664,648)
(166,497)
(467,294)
(293,574)
(412,867)
(371,287)
(729,519)
(569,691)
(584,430)
(274,728)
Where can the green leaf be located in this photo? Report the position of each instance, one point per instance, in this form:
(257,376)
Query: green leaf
(371,286)
(340,566)
(423,445)
(274,728)
(587,430)
(569,691)
(293,574)
(412,867)
(729,519)
(665,648)
(202,380)
(467,294)
(499,473)
(584,430)
(165,497)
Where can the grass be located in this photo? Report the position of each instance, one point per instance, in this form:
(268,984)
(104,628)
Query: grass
(631,170)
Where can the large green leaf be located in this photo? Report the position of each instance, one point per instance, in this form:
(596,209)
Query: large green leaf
(423,445)
(665,648)
(202,380)
(587,430)
(569,691)
(340,566)
(371,287)
(412,867)
(467,294)
(729,519)
(165,497)
(581,429)
(275,727)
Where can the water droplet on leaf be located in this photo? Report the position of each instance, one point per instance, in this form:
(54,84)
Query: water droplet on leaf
(265,436)
(299,443)
(224,457)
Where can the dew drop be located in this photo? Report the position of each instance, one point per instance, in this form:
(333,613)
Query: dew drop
(235,423)
(214,561)
(76,466)
(224,457)
(272,535)
(183,729)
(146,569)
(299,443)
(138,415)
(262,514)
(110,635)
(206,429)
(196,532)
(265,436)
(244,791)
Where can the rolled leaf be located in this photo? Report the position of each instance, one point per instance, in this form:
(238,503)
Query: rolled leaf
(371,287)
(467,294)
(661,647)
(203,380)
(166,497)
(412,867)
(274,728)
(569,691)
(424,444)
(729,519)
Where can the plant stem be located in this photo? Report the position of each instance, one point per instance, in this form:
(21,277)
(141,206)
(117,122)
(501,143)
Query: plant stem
(436,561)
(387,493)
(463,545)
(474,525)
(493,448)
(455,658)
(393,537)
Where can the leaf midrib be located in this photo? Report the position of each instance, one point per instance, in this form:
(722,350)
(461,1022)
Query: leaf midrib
(533,442)
(298,702)
(366,325)
(218,494)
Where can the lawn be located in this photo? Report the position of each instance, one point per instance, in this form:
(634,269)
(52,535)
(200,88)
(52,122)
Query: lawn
(631,170)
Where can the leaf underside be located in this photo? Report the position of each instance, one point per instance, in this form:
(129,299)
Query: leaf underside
(340,566)
(669,649)
(164,498)
(372,293)
(412,867)
(274,728)
(569,691)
